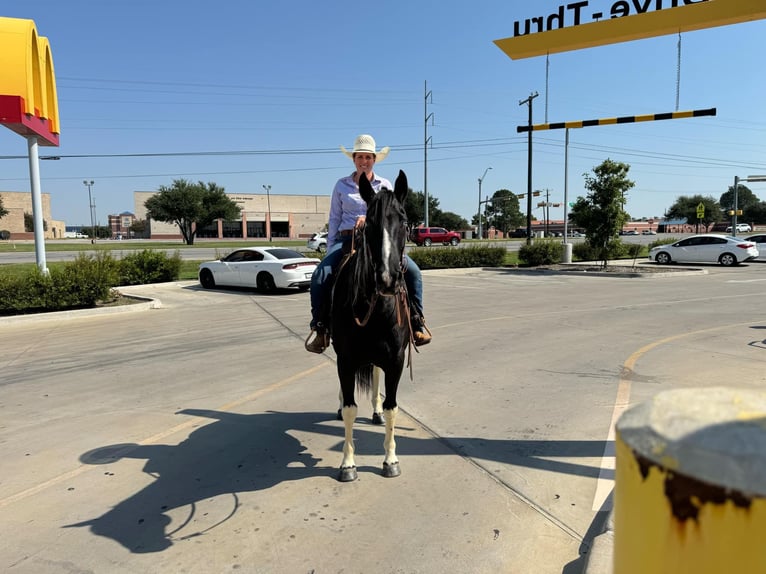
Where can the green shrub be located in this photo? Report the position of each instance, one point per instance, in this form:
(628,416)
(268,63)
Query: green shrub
(541,252)
(148,266)
(84,282)
(443,258)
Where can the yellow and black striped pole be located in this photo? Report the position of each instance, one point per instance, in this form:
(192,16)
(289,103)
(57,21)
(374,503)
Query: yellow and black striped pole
(620,120)
(690,493)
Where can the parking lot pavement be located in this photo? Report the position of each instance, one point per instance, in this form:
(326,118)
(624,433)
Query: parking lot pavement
(200,436)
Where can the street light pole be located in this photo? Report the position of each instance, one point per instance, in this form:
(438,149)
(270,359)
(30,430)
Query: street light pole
(91,207)
(479,213)
(268,206)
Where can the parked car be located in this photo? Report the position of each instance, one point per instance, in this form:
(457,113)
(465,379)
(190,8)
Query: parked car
(629,232)
(741,228)
(648,232)
(710,248)
(318,242)
(265,268)
(428,235)
(760,244)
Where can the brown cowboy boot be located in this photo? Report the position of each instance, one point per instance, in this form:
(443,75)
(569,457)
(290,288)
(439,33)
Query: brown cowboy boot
(321,340)
(421,335)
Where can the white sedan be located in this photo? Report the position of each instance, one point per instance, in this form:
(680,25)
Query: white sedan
(760,243)
(265,268)
(708,248)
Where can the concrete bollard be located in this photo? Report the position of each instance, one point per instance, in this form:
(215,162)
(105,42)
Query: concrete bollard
(690,493)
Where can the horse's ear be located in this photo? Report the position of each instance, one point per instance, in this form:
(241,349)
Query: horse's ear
(400,187)
(365,189)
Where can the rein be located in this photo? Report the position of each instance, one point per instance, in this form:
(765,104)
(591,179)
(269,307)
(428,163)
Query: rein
(402,303)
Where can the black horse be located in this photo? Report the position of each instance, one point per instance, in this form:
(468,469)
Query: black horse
(370,315)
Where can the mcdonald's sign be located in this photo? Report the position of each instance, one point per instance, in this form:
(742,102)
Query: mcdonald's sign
(28,101)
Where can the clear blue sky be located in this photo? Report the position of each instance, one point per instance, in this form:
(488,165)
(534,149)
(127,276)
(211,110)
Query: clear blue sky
(294,80)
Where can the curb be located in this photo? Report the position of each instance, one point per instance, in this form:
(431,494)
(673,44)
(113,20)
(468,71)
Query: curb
(600,559)
(145,304)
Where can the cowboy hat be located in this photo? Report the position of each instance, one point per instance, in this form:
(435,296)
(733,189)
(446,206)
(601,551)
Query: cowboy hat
(366,144)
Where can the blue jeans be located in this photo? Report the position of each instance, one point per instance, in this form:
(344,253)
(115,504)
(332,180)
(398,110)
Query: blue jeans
(322,280)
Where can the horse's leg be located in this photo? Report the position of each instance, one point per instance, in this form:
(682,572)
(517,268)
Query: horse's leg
(347,380)
(390,410)
(377,403)
(340,405)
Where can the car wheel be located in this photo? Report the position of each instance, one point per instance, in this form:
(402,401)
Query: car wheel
(322,247)
(206,279)
(427,242)
(265,282)
(454,241)
(662,258)
(727,260)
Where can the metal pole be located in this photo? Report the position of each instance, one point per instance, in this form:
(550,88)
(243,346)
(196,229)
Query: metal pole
(37,203)
(268,206)
(480,180)
(734,217)
(528,101)
(567,245)
(91,208)
(425,152)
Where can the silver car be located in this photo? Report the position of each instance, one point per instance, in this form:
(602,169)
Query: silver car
(709,248)
(318,242)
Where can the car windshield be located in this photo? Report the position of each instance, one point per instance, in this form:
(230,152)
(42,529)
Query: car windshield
(280,253)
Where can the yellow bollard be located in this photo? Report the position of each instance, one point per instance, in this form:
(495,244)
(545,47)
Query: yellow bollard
(690,493)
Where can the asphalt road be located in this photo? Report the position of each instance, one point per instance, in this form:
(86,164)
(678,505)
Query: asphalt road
(200,436)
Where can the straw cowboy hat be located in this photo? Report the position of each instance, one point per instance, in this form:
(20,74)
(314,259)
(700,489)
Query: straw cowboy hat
(366,144)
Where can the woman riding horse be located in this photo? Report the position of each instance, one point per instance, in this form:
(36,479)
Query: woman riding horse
(347,213)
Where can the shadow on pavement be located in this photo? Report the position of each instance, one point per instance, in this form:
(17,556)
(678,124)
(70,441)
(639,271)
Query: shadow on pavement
(246,453)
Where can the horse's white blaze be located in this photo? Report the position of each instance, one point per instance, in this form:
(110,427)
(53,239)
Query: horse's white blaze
(389,443)
(386,255)
(349,416)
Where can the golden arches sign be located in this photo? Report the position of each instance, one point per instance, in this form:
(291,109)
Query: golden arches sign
(28,100)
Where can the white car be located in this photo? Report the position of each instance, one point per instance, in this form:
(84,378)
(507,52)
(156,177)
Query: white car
(760,244)
(741,228)
(264,268)
(318,242)
(709,248)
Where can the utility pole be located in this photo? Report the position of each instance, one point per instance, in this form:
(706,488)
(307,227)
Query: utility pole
(268,207)
(426,141)
(528,101)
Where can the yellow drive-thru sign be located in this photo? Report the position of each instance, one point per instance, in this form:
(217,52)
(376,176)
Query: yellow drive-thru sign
(576,25)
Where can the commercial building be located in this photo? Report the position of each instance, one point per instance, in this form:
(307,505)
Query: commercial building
(263,215)
(18,204)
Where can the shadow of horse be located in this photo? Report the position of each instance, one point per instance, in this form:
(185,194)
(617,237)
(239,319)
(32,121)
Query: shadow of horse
(238,453)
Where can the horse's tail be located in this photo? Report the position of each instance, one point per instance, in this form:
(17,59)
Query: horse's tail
(364,378)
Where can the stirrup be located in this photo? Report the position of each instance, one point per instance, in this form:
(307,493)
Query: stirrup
(320,342)
(421,334)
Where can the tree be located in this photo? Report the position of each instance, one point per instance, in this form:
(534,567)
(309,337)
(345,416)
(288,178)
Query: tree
(191,206)
(601,213)
(746,201)
(503,211)
(3,211)
(414,206)
(449,220)
(29,223)
(685,208)
(138,228)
